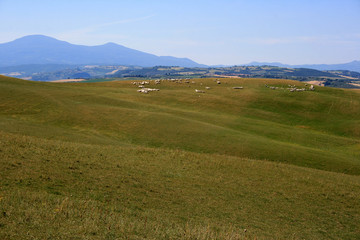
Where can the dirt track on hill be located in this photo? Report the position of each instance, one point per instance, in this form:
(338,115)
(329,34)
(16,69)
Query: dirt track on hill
(68,80)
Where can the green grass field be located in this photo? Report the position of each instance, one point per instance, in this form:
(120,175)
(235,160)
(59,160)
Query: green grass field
(102,161)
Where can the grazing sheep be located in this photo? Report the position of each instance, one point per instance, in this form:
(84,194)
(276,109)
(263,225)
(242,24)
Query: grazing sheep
(207,88)
(312,88)
(199,91)
(218,82)
(237,87)
(151,89)
(146,90)
(142,91)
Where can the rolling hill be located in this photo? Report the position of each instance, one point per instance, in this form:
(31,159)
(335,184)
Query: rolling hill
(101,160)
(39,49)
(50,72)
(350,66)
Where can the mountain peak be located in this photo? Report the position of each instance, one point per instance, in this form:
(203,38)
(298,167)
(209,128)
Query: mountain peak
(36,37)
(110,44)
(40,49)
(37,40)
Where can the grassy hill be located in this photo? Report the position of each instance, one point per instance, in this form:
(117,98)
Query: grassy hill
(102,161)
(96,73)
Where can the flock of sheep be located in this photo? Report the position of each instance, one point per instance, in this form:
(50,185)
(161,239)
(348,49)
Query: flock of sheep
(143,89)
(293,88)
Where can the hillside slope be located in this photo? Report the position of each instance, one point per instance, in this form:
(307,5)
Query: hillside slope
(100,160)
(318,129)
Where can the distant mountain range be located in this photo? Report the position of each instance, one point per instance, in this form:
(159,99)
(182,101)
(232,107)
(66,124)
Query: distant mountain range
(351,66)
(39,49)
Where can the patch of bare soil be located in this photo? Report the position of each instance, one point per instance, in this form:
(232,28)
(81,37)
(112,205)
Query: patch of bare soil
(318,83)
(68,80)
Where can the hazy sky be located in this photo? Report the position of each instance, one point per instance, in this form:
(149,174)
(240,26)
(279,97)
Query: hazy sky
(209,32)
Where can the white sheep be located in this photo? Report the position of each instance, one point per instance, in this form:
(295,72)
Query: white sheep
(142,91)
(199,91)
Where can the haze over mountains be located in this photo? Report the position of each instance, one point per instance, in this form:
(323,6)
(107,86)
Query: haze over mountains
(39,49)
(351,66)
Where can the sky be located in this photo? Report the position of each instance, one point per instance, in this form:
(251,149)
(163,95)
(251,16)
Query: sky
(226,32)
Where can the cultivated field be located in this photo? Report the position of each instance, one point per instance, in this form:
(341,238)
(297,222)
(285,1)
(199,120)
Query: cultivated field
(102,161)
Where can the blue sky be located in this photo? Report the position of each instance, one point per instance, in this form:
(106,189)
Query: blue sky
(210,32)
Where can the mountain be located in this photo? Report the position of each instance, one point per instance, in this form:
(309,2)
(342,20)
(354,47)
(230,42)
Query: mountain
(276,64)
(351,66)
(36,68)
(39,49)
